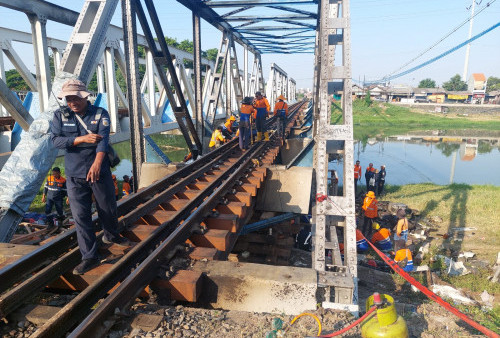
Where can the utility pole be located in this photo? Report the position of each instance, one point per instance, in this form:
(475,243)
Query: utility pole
(467,52)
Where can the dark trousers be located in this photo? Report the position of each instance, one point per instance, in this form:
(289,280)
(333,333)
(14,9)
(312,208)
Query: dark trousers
(380,187)
(281,125)
(58,203)
(260,121)
(367,226)
(244,138)
(355,186)
(80,198)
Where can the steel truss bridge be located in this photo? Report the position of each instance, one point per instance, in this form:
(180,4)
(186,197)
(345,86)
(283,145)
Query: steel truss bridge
(195,98)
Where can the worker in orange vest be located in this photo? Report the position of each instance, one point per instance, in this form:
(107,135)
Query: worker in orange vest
(53,193)
(357,176)
(370,212)
(404,259)
(262,106)
(244,126)
(382,238)
(281,109)
(126,188)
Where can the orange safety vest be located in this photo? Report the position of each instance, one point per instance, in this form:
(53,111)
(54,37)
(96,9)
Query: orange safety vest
(126,188)
(383,235)
(357,171)
(229,125)
(246,111)
(402,254)
(370,207)
(262,103)
(372,169)
(284,106)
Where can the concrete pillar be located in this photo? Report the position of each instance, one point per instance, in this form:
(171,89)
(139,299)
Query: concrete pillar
(39,34)
(57,59)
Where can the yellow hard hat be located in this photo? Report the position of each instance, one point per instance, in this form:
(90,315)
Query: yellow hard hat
(375,226)
(370,193)
(232,118)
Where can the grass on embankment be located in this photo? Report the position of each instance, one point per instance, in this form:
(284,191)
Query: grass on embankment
(460,205)
(371,120)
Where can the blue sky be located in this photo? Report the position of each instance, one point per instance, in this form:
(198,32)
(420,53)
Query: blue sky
(385,35)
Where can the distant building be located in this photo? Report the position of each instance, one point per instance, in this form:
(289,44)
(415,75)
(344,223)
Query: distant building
(477,87)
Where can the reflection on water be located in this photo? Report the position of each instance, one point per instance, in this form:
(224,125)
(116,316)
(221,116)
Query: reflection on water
(410,161)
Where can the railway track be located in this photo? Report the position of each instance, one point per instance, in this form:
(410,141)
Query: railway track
(197,211)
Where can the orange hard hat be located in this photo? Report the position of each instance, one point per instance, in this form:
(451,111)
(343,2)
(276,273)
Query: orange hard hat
(281,97)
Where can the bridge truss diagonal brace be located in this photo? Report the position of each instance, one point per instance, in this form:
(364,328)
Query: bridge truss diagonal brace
(25,170)
(162,57)
(214,91)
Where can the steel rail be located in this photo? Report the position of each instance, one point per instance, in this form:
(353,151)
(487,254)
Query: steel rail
(79,307)
(15,297)
(16,271)
(146,271)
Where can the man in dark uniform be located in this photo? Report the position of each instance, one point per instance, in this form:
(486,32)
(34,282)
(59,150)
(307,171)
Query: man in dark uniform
(54,193)
(87,169)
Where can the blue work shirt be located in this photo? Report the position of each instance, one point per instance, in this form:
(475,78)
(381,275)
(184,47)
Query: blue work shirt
(64,130)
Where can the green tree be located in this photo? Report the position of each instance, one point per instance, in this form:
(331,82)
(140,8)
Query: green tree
(15,81)
(427,83)
(493,84)
(212,54)
(368,101)
(455,84)
(447,148)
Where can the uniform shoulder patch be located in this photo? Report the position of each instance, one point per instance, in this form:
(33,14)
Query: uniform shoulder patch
(105,122)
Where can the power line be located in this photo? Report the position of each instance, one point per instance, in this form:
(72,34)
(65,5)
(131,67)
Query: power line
(443,38)
(388,78)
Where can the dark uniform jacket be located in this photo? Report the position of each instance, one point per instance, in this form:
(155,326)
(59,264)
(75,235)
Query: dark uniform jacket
(65,128)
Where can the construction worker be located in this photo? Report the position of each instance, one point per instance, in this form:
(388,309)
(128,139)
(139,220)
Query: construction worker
(53,194)
(381,238)
(126,188)
(262,106)
(217,138)
(370,177)
(361,243)
(380,180)
(404,259)
(370,212)
(357,176)
(281,109)
(401,227)
(227,128)
(115,182)
(244,127)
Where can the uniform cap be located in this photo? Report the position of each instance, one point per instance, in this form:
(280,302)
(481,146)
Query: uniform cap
(74,87)
(258,93)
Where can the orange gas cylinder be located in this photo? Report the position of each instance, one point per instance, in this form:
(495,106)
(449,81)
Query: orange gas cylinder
(385,322)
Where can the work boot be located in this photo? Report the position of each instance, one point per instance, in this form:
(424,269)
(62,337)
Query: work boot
(85,265)
(119,240)
(266,136)
(259,136)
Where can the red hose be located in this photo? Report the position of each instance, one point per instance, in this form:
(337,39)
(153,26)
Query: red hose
(432,295)
(347,328)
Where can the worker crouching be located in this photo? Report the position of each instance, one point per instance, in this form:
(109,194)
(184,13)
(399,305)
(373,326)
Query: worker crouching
(217,138)
(262,106)
(227,128)
(381,238)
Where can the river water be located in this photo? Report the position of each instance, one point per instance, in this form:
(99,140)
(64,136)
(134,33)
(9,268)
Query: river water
(428,162)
